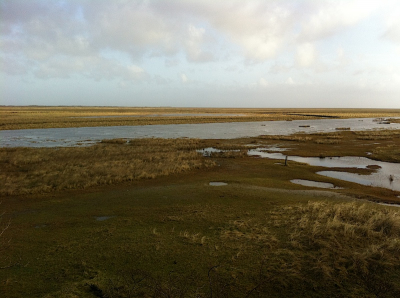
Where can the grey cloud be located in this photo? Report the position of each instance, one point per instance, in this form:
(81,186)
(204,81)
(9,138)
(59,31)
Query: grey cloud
(42,31)
(13,66)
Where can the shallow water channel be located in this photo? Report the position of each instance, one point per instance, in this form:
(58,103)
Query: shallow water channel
(81,136)
(387,175)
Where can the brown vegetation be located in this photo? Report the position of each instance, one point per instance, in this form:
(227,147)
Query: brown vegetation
(36,170)
(57,117)
(295,138)
(336,249)
(376,134)
(390,153)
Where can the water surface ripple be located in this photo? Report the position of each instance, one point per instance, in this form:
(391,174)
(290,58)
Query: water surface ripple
(57,137)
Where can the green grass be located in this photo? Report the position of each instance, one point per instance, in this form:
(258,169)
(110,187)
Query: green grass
(183,238)
(176,236)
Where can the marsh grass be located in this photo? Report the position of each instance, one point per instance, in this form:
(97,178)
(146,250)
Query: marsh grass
(229,154)
(31,117)
(377,134)
(327,141)
(37,170)
(349,241)
(4,242)
(315,249)
(389,153)
(291,138)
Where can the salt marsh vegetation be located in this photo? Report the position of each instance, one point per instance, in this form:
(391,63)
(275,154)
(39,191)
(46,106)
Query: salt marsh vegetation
(140,218)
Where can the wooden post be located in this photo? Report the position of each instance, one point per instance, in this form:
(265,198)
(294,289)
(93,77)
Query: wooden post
(286,160)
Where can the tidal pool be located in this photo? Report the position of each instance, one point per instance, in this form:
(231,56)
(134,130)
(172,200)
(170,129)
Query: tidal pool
(387,175)
(63,137)
(313,183)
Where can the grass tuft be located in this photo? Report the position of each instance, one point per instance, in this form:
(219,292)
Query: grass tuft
(40,170)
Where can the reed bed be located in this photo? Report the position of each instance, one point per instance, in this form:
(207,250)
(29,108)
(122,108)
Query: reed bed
(38,170)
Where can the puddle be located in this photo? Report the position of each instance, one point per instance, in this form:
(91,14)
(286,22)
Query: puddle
(314,183)
(208,151)
(103,218)
(217,183)
(56,137)
(378,179)
(273,148)
(387,174)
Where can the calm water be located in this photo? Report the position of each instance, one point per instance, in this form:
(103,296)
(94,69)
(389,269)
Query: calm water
(313,183)
(56,137)
(381,178)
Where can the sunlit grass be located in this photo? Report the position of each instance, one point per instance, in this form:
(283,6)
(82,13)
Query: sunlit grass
(37,170)
(58,117)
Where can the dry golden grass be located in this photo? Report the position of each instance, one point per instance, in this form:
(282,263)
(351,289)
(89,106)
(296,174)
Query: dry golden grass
(294,138)
(346,242)
(36,170)
(58,117)
(377,134)
(344,238)
(390,153)
(327,141)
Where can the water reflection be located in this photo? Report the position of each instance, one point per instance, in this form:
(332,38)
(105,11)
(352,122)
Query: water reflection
(56,137)
(314,183)
(387,174)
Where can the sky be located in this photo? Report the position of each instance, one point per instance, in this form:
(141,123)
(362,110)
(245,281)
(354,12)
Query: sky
(201,53)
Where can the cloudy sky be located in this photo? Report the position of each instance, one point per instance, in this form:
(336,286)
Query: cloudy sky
(201,53)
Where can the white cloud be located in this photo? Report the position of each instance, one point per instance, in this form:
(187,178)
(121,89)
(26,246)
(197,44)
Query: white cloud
(131,26)
(327,18)
(284,41)
(392,31)
(290,81)
(306,55)
(184,78)
(194,43)
(263,83)
(258,27)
